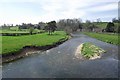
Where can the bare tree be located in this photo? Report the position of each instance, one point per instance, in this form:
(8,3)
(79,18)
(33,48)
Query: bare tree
(70,25)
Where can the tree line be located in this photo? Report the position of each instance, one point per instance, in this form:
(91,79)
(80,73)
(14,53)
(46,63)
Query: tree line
(69,25)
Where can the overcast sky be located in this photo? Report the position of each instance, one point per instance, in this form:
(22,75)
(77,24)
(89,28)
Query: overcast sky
(34,11)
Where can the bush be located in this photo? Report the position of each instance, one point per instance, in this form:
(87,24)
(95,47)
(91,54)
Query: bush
(31,30)
(110,27)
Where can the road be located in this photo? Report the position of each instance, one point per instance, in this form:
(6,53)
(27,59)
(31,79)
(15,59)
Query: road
(60,62)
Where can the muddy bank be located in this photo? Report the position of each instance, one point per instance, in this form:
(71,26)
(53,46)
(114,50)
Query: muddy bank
(27,50)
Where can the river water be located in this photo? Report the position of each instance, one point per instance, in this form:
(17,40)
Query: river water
(60,62)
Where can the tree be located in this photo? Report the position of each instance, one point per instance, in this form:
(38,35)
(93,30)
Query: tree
(41,25)
(51,27)
(68,30)
(23,26)
(31,29)
(70,25)
(114,20)
(91,27)
(110,27)
(88,24)
(118,29)
(80,27)
(98,20)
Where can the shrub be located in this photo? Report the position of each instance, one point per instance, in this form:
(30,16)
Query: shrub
(110,27)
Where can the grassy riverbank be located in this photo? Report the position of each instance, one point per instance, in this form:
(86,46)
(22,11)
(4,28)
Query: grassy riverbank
(15,43)
(109,38)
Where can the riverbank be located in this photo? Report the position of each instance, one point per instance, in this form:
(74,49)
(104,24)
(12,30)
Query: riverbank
(14,47)
(106,37)
(27,50)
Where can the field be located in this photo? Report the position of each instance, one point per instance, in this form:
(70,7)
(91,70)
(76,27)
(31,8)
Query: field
(15,43)
(109,38)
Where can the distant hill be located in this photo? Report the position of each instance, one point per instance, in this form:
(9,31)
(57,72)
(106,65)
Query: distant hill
(101,25)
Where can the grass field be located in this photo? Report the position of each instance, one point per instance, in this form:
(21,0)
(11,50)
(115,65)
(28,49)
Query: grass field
(89,50)
(15,43)
(109,38)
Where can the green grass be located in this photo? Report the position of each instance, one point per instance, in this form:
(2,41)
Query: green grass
(89,50)
(109,38)
(15,43)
